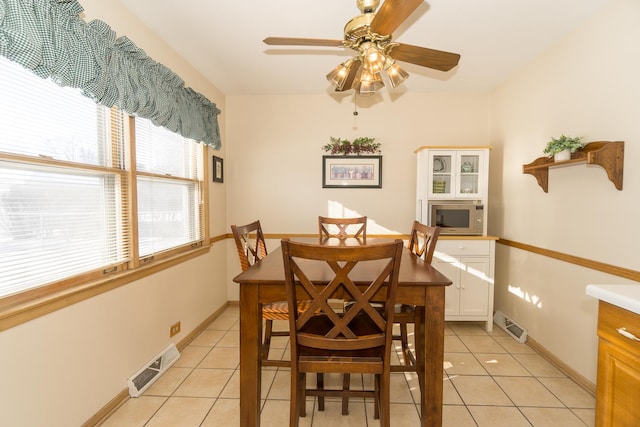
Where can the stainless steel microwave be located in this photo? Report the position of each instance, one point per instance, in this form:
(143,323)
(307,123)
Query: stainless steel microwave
(457,218)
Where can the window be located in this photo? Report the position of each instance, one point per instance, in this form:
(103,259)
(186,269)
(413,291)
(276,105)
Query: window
(169,175)
(67,186)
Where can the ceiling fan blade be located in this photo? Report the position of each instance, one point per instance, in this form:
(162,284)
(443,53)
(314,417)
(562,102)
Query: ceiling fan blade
(392,14)
(425,57)
(290,41)
(353,71)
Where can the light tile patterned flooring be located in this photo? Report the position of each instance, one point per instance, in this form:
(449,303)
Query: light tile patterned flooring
(490,380)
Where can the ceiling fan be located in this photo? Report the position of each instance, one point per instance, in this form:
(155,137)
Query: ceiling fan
(369,34)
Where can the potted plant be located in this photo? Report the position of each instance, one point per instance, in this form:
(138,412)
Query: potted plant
(360,145)
(561,148)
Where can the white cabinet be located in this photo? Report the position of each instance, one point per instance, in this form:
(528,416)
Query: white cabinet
(469,264)
(455,179)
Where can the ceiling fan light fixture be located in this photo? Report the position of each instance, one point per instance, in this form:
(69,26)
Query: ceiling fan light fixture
(338,76)
(366,89)
(373,58)
(396,74)
(367,83)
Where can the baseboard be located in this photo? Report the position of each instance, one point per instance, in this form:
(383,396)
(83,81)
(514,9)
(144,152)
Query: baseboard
(583,382)
(100,416)
(202,326)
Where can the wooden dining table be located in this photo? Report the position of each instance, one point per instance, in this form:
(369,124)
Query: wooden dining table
(419,284)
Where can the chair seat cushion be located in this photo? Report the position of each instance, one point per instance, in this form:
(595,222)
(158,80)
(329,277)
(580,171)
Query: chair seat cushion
(279,310)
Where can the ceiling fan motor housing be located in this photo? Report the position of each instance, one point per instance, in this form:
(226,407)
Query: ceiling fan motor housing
(358,28)
(367,6)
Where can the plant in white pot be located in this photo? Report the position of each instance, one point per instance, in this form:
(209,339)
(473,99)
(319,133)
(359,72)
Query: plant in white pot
(561,148)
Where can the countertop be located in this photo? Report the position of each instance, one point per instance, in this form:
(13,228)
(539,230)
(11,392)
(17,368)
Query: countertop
(623,296)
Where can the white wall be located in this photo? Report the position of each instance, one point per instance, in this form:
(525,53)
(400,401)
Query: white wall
(587,85)
(274,162)
(62,368)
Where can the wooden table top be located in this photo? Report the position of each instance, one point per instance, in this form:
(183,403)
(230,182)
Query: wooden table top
(413,270)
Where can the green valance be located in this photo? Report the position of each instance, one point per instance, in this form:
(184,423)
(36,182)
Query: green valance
(50,39)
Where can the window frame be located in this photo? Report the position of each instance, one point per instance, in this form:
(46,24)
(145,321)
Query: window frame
(35,302)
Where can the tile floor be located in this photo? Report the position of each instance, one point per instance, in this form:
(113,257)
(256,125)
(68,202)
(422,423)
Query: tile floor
(490,380)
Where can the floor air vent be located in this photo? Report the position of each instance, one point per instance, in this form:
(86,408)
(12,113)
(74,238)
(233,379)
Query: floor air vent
(142,379)
(512,328)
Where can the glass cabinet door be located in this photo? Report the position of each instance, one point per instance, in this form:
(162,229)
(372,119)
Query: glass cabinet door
(469,166)
(455,174)
(442,177)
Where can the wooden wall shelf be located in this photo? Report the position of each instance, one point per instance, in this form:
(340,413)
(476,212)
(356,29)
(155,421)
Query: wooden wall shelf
(607,154)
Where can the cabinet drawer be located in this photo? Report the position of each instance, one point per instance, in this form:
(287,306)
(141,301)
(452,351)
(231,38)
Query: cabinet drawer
(611,318)
(464,247)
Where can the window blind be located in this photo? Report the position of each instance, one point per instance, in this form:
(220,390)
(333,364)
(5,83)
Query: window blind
(63,190)
(170,207)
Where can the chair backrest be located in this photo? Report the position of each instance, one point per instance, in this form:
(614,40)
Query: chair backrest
(342,227)
(249,243)
(423,240)
(317,273)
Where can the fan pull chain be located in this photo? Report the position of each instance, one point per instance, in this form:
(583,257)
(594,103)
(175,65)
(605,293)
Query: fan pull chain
(355,104)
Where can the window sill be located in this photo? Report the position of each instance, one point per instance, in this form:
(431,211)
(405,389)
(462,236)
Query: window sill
(14,314)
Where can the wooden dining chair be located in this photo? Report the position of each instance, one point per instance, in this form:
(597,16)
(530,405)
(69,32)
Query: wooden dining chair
(326,340)
(422,243)
(342,227)
(252,248)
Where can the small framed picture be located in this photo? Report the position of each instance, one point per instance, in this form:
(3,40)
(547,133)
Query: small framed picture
(351,171)
(218,170)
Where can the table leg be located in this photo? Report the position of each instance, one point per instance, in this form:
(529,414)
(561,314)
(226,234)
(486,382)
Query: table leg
(432,359)
(250,366)
(420,349)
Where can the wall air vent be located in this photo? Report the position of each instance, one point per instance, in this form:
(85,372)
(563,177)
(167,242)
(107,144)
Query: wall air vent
(141,380)
(512,328)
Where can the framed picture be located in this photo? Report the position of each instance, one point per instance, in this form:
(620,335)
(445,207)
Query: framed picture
(351,171)
(218,171)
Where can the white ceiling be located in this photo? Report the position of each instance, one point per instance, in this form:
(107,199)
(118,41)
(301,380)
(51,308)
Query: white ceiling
(223,39)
